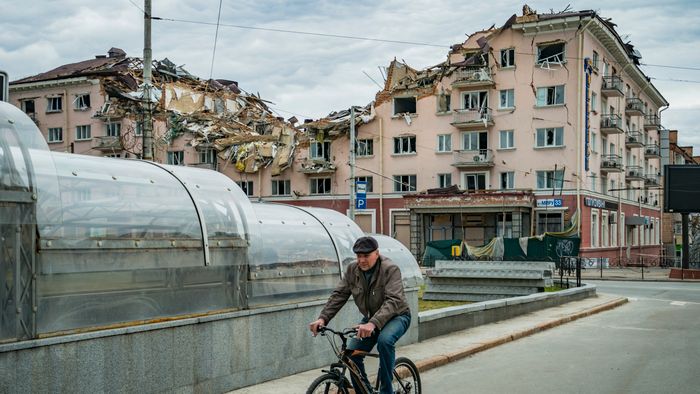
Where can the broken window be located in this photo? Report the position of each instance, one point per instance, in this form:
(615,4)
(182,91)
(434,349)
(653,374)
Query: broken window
(321,150)
(321,186)
(474,182)
(365,147)
(444,102)
(281,187)
(55,134)
(507,180)
(246,186)
(54,104)
(476,100)
(263,128)
(367,180)
(83,132)
(404,183)
(550,179)
(82,101)
(550,53)
(475,140)
(176,158)
(207,156)
(508,57)
(549,137)
(507,99)
(404,105)
(28,107)
(114,129)
(404,145)
(550,95)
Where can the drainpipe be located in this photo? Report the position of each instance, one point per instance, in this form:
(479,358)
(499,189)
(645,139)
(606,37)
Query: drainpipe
(579,152)
(381,171)
(665,159)
(66,132)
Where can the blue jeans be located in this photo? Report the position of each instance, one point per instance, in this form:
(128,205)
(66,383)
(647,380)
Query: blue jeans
(385,341)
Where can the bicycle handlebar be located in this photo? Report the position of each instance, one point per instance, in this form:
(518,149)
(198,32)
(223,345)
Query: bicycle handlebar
(346,333)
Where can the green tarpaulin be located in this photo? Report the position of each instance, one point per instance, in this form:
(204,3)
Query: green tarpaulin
(439,250)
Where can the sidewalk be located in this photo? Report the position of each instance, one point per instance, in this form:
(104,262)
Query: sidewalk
(652,274)
(448,348)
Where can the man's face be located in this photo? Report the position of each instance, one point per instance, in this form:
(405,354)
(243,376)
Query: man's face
(367,260)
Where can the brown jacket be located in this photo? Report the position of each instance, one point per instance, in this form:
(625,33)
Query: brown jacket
(380,301)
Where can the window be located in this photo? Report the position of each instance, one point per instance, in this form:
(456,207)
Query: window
(82,101)
(281,187)
(507,99)
(444,143)
(508,57)
(404,183)
(246,186)
(176,158)
(54,104)
(476,100)
(504,228)
(594,102)
(594,181)
(444,102)
(444,180)
(549,222)
(506,139)
(138,129)
(474,182)
(404,105)
(320,150)
(507,180)
(364,147)
(594,143)
(594,229)
(550,95)
(114,129)
(550,179)
(28,107)
(475,140)
(55,134)
(550,53)
(604,235)
(321,186)
(595,59)
(404,145)
(83,132)
(550,137)
(207,156)
(613,229)
(367,180)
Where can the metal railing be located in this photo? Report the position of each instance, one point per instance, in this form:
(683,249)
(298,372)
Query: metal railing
(479,115)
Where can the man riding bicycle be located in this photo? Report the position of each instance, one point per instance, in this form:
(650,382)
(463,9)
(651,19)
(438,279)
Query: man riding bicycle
(376,286)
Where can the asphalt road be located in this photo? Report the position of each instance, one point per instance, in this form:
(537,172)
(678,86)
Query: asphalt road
(649,345)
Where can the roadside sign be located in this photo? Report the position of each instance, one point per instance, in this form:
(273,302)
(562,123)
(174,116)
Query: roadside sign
(360,194)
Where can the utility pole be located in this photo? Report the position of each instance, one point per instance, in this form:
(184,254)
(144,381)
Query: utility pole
(147,125)
(352,163)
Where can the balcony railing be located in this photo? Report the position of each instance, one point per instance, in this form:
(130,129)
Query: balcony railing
(611,124)
(634,107)
(652,150)
(652,122)
(634,139)
(108,143)
(473,76)
(611,163)
(472,118)
(473,158)
(652,180)
(612,86)
(634,173)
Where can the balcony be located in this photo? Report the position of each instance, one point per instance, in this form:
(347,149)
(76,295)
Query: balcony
(473,158)
(652,122)
(652,181)
(634,107)
(634,173)
(652,151)
(317,166)
(612,86)
(634,139)
(471,119)
(611,124)
(474,76)
(108,143)
(611,163)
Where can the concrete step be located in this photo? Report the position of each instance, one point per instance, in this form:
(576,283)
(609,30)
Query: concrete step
(502,290)
(485,282)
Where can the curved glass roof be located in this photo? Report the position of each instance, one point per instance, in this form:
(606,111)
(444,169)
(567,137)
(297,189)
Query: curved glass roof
(402,257)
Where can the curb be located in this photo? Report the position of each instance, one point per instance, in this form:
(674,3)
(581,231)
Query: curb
(440,360)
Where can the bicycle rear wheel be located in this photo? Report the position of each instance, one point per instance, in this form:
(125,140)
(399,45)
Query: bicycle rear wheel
(405,379)
(329,384)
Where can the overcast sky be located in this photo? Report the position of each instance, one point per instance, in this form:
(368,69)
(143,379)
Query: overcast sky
(310,76)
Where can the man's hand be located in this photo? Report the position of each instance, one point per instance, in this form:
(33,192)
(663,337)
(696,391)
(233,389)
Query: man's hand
(365,330)
(315,325)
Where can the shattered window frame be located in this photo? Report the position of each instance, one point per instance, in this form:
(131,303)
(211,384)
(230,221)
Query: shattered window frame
(507,99)
(405,145)
(404,183)
(54,134)
(551,53)
(364,148)
(176,157)
(550,179)
(320,150)
(54,104)
(508,180)
(25,106)
(405,105)
(507,57)
(114,129)
(444,180)
(444,143)
(320,185)
(281,187)
(476,100)
(81,102)
(368,180)
(247,187)
(83,132)
(474,181)
(550,137)
(207,156)
(548,96)
(474,140)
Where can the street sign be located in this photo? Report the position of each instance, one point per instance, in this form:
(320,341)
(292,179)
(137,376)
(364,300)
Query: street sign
(361,202)
(360,194)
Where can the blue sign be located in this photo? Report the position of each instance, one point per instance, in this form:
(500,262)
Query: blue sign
(360,194)
(361,202)
(549,202)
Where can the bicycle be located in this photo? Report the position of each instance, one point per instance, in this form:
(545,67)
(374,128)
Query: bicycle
(406,379)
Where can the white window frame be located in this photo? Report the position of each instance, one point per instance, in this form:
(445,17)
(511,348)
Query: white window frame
(623,235)
(476,100)
(509,96)
(471,141)
(558,58)
(444,143)
(595,224)
(113,129)
(284,184)
(604,230)
(320,150)
(24,106)
(552,179)
(509,180)
(476,175)
(176,157)
(54,134)
(613,228)
(444,180)
(507,57)
(543,134)
(405,183)
(207,156)
(83,132)
(138,129)
(80,104)
(595,59)
(508,142)
(247,187)
(365,148)
(406,145)
(594,102)
(551,96)
(316,188)
(54,104)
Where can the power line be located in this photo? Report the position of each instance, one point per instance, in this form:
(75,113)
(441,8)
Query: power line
(216,37)
(668,66)
(136,5)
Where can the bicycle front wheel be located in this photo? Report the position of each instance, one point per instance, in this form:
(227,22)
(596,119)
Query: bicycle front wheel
(329,384)
(406,379)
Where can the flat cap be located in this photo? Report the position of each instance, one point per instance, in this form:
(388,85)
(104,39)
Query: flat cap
(365,245)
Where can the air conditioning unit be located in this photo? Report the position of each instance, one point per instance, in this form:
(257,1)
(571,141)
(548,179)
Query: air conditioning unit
(477,158)
(609,163)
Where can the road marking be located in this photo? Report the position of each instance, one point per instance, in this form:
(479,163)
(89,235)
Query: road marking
(678,303)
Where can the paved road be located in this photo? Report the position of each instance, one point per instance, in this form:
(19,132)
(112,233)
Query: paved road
(650,345)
